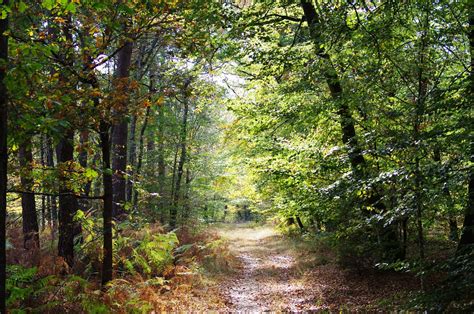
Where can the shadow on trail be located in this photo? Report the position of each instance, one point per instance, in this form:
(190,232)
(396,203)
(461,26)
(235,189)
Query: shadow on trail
(276,274)
(268,276)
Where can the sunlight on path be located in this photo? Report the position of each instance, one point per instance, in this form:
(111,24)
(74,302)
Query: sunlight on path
(266,278)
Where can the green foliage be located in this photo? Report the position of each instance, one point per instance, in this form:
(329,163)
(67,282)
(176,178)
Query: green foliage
(148,254)
(23,285)
(455,293)
(19,283)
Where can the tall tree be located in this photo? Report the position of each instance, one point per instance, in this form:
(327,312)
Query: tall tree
(28,203)
(107,262)
(182,156)
(120,127)
(67,200)
(349,137)
(68,204)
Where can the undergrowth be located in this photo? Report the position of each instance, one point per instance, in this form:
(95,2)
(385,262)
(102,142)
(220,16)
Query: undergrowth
(153,269)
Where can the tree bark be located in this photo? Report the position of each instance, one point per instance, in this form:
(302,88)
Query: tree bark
(140,153)
(120,130)
(43,197)
(28,203)
(132,159)
(182,160)
(67,203)
(3,158)
(65,155)
(141,141)
(300,223)
(161,157)
(173,178)
(53,208)
(107,262)
(161,163)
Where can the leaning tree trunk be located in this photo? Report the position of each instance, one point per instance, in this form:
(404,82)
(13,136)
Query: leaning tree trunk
(467,236)
(28,203)
(120,130)
(358,163)
(3,158)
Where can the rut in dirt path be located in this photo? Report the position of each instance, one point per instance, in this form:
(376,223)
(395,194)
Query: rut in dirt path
(267,278)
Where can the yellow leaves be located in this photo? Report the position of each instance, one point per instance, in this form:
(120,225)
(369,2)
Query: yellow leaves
(93,30)
(160,100)
(59,20)
(99,42)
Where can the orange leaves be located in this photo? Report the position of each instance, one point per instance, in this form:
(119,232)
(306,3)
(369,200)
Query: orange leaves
(95,93)
(59,20)
(146,103)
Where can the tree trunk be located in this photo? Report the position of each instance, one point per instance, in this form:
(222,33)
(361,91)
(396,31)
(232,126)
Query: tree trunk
(84,162)
(65,155)
(173,178)
(161,160)
(161,155)
(182,160)
(43,197)
(300,223)
(3,158)
(187,192)
(349,137)
(67,201)
(28,203)
(132,159)
(140,152)
(107,262)
(120,130)
(467,235)
(142,140)
(53,204)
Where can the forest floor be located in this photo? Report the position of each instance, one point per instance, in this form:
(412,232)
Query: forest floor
(278,273)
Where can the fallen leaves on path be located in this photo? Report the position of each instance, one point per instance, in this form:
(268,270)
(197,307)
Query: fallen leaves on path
(274,276)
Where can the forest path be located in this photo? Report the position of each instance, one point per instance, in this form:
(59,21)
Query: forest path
(268,276)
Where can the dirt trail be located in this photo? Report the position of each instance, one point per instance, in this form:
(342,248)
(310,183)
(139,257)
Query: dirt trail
(267,278)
